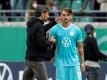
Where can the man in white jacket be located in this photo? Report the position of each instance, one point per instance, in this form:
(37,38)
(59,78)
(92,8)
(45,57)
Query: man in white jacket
(103,5)
(103,8)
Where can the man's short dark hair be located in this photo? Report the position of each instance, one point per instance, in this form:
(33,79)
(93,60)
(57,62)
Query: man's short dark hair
(89,28)
(69,11)
(41,9)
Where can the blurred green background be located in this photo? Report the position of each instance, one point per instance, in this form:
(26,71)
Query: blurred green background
(13,42)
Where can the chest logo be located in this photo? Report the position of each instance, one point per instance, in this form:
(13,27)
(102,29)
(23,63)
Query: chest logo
(66,42)
(72,33)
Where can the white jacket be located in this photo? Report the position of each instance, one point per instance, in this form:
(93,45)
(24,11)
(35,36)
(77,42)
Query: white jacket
(103,5)
(101,1)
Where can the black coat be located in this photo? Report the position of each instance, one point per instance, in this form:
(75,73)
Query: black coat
(91,50)
(38,47)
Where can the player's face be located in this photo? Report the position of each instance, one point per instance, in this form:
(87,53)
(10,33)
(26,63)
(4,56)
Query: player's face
(65,17)
(45,16)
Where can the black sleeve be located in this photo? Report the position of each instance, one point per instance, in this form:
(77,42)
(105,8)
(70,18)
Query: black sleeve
(41,41)
(96,49)
(50,25)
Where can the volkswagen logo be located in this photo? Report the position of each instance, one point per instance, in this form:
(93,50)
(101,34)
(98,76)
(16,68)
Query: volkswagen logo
(5,72)
(66,42)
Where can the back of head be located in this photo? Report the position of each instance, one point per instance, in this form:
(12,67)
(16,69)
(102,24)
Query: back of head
(41,9)
(89,28)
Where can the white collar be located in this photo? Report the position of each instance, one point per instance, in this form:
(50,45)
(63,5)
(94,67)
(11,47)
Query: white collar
(66,27)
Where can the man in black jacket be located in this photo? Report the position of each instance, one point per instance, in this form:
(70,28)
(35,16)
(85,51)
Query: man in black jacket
(92,53)
(38,47)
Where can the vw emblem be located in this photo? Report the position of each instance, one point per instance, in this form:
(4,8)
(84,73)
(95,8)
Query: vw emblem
(5,72)
(66,42)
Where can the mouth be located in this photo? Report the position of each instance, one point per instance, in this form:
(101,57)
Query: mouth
(65,19)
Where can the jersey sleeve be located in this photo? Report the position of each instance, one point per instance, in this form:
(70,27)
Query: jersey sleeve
(79,35)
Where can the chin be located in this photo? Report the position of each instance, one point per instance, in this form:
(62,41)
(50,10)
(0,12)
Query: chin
(65,21)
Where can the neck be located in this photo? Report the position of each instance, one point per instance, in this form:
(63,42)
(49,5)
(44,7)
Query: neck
(65,24)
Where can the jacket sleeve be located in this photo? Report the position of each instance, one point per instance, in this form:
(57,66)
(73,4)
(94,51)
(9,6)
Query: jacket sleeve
(96,49)
(41,41)
(48,26)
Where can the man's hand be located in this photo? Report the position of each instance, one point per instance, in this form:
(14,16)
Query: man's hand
(52,39)
(82,66)
(58,19)
(52,42)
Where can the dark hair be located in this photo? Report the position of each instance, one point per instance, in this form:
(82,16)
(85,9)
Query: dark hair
(41,9)
(69,11)
(89,28)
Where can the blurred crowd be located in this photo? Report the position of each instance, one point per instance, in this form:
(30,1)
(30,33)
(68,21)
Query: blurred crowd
(54,6)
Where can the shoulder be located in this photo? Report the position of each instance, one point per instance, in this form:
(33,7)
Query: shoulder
(37,27)
(54,29)
(91,39)
(55,26)
(75,28)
